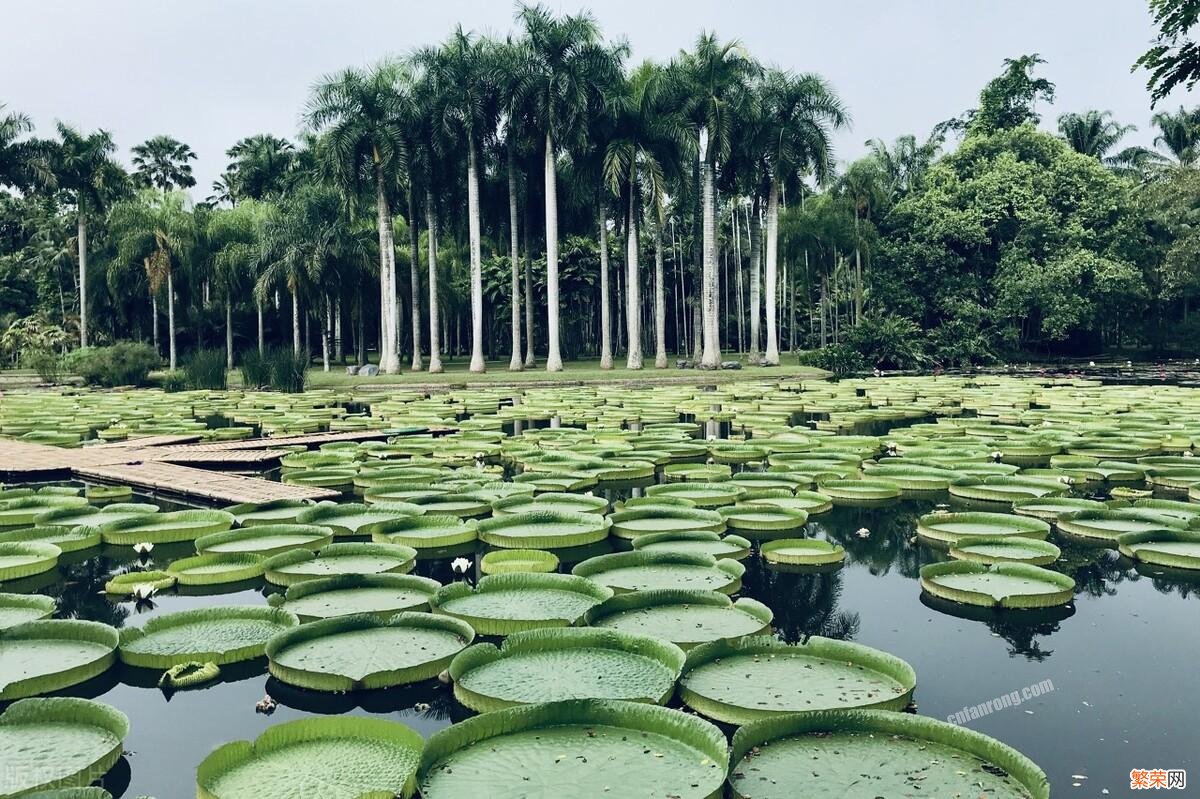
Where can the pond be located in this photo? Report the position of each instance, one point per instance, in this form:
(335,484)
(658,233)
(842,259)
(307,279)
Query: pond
(1090,690)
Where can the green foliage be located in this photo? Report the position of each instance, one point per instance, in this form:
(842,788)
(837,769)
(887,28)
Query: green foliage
(206,370)
(173,381)
(255,368)
(126,363)
(1008,99)
(1174,59)
(887,341)
(840,359)
(278,369)
(34,343)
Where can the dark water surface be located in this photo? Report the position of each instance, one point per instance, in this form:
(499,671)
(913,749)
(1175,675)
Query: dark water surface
(1123,659)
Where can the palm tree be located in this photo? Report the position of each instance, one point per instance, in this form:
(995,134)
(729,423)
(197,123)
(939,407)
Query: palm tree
(801,112)
(23,162)
(1179,133)
(462,71)
(718,74)
(425,171)
(162,162)
(259,166)
(234,237)
(159,231)
(361,113)
(1093,132)
(84,168)
(567,65)
(863,186)
(905,163)
(644,153)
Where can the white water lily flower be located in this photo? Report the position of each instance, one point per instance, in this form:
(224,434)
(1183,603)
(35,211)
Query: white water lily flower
(863,532)
(144,548)
(460,565)
(143,592)
(997,455)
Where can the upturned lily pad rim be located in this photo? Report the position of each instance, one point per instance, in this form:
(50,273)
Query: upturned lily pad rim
(1075,525)
(595,568)
(518,581)
(315,680)
(275,567)
(705,495)
(456,530)
(45,605)
(44,558)
(239,566)
(818,552)
(885,724)
(556,639)
(316,535)
(125,583)
(244,513)
(593,528)
(1022,526)
(192,525)
(1043,552)
(1128,544)
(73,711)
(68,630)
(550,500)
(816,646)
(1064,585)
(741,546)
(697,519)
(327,515)
(350,582)
(635,716)
(785,518)
(167,621)
(638,600)
(236,754)
(509,561)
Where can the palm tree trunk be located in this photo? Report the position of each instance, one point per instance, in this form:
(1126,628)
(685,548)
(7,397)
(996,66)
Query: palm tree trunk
(414,282)
(262,344)
(553,357)
(171,318)
(228,332)
(772,288)
(530,358)
(606,351)
(711,356)
(633,299)
(295,322)
(697,330)
(755,227)
(389,358)
(660,301)
(477,362)
(338,341)
(154,320)
(431,231)
(83,254)
(515,364)
(325,327)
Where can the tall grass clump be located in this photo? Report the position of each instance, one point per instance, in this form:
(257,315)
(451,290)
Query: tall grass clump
(206,370)
(277,369)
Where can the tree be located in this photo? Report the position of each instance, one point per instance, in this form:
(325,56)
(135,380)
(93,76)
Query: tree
(717,74)
(84,169)
(863,187)
(360,114)
(234,238)
(158,231)
(259,167)
(801,113)
(1179,133)
(904,164)
(1010,99)
(1095,133)
(23,162)
(161,162)
(567,65)
(1174,59)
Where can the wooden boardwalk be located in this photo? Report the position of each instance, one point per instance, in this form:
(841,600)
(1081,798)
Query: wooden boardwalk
(169,464)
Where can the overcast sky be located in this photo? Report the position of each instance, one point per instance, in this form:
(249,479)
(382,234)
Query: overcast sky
(211,72)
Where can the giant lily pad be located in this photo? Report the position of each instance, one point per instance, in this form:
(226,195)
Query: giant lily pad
(217,568)
(219,634)
(380,595)
(565,663)
(507,603)
(431,531)
(1005,549)
(265,539)
(763,520)
(703,542)
(825,753)
(355,518)
(165,528)
(1175,549)
(573,503)
(58,743)
(19,608)
(803,552)
(87,515)
(281,511)
(859,493)
(39,657)
(340,757)
(349,558)
(1004,585)
(948,529)
(760,676)
(364,652)
(647,519)
(645,571)
(1001,490)
(1048,509)
(1104,527)
(507,561)
(685,618)
(583,748)
(67,539)
(23,511)
(705,495)
(26,558)
(544,529)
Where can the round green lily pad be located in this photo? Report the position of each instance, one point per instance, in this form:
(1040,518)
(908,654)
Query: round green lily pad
(165,528)
(26,559)
(337,757)
(502,604)
(67,539)
(1048,509)
(380,595)
(189,675)
(364,652)
(39,657)
(551,500)
(19,608)
(221,635)
(561,663)
(1175,549)
(544,529)
(647,519)
(1005,549)
(348,558)
(702,542)
(107,493)
(217,568)
(859,493)
(355,518)
(824,753)
(705,495)
(58,743)
(265,539)
(1104,527)
(763,520)
(751,678)
(1004,585)
(88,515)
(507,561)
(131,582)
(685,618)
(803,552)
(431,531)
(645,571)
(281,511)
(1002,490)
(576,748)
(810,502)
(23,511)
(948,529)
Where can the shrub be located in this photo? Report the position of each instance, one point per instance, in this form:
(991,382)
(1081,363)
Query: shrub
(206,370)
(126,363)
(173,381)
(289,371)
(960,344)
(840,359)
(888,342)
(47,363)
(256,369)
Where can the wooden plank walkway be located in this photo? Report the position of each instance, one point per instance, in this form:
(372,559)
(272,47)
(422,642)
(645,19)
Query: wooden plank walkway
(218,487)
